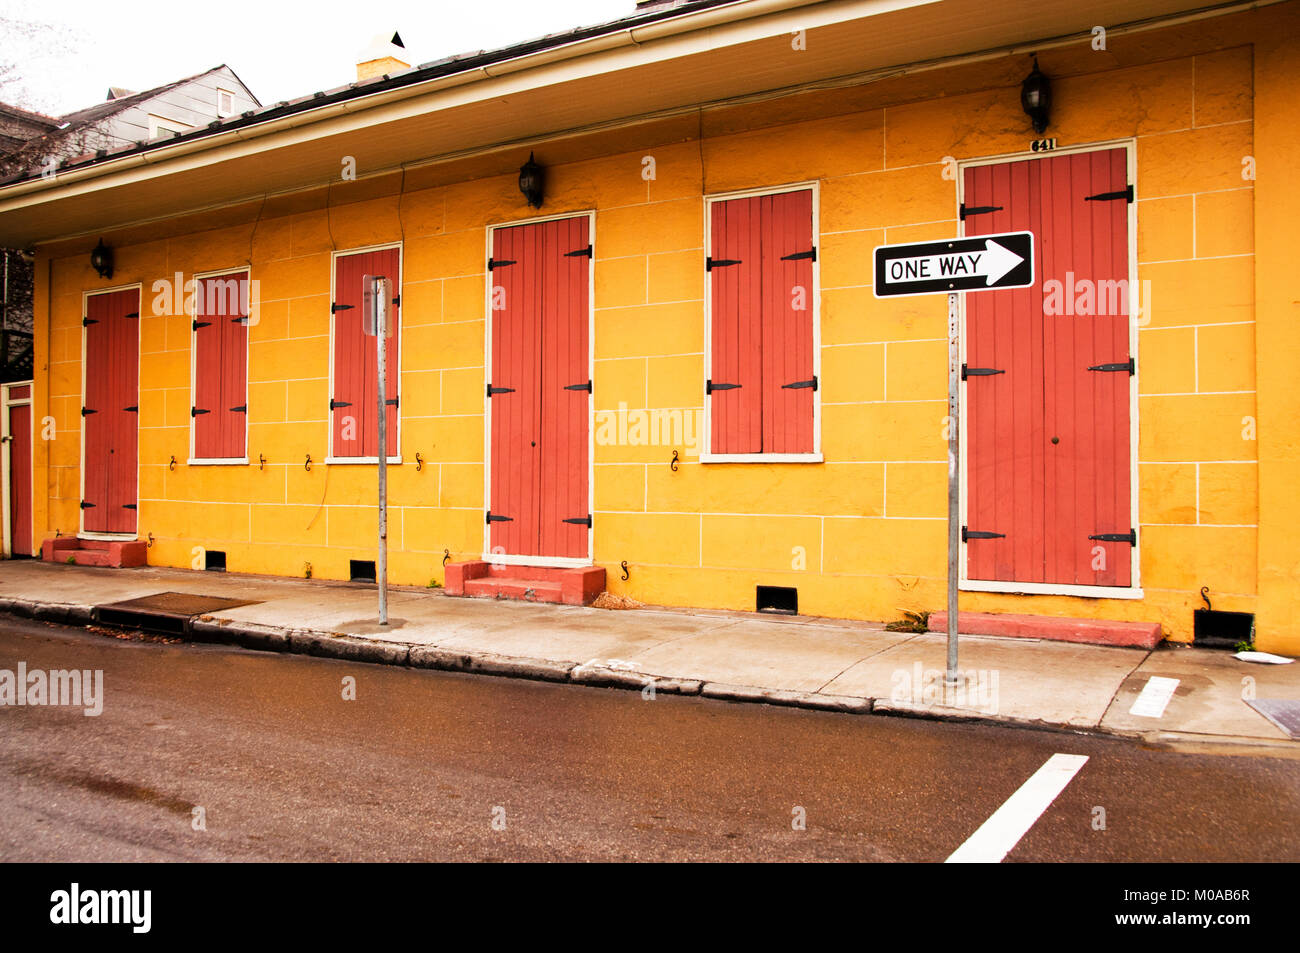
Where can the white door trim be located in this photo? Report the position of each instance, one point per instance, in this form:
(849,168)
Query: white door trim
(1133,591)
(82,532)
(506,559)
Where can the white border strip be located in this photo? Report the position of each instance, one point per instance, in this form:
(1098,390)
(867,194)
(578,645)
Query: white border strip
(1154,697)
(1012,821)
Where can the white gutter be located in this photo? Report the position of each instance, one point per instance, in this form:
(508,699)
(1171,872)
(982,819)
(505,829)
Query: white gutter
(138,166)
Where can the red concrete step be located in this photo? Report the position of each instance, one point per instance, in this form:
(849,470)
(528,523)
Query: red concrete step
(508,587)
(575,586)
(1138,635)
(111,553)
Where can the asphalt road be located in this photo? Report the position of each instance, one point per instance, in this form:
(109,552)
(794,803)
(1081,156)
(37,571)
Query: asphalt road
(435,766)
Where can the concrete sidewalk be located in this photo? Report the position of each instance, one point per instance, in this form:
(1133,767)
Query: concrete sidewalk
(815,663)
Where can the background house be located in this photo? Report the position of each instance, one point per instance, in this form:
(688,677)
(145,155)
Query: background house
(32,141)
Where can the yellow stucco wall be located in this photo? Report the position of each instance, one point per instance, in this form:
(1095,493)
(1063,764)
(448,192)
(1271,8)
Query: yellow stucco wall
(861,535)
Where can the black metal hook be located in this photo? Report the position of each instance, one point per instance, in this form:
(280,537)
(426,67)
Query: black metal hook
(673,464)
(172,465)
(261,462)
(149,545)
(446,555)
(1204,595)
(625,572)
(307,466)
(419,461)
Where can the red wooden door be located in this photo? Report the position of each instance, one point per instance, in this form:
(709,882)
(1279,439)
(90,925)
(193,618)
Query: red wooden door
(20,477)
(761,380)
(353,409)
(110,412)
(220,409)
(540,390)
(1048,378)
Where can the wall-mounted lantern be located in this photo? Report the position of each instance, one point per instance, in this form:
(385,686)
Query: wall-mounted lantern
(530,181)
(1036,98)
(101,259)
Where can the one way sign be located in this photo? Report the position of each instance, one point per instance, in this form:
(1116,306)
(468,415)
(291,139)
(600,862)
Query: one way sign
(984,263)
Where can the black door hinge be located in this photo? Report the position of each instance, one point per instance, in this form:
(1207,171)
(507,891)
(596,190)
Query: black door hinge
(710,387)
(797,385)
(391,401)
(132,314)
(241,409)
(1125,194)
(397,301)
(195,411)
(243,320)
(132,409)
(336,307)
(580,520)
(494,518)
(586,387)
(580,253)
(1128,365)
(979,534)
(129,506)
(339,403)
(967,212)
(86,411)
(499,390)
(87,506)
(1131,537)
(801,254)
(86,322)
(711,263)
(495,263)
(980,371)
(195,325)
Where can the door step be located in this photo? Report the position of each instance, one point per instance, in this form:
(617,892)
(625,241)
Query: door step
(484,580)
(1137,635)
(112,553)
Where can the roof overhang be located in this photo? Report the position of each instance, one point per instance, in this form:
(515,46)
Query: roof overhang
(717,54)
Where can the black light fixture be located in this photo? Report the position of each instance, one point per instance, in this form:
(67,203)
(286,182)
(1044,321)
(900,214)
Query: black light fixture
(530,181)
(101,259)
(1036,98)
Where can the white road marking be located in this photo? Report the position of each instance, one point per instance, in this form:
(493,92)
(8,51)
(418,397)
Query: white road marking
(1001,832)
(1155,697)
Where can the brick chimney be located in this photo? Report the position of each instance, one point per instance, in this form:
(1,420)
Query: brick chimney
(382,56)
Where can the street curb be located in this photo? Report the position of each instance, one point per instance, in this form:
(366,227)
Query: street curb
(334,645)
(852,704)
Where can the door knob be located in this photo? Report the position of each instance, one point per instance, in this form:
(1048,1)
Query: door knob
(1056,440)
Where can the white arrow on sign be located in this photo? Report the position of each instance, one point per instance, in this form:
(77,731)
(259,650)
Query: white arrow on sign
(992,263)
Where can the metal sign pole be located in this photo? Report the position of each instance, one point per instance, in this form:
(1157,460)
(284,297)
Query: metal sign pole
(954,471)
(381,349)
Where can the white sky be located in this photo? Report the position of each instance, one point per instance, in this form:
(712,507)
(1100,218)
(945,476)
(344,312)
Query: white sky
(75,49)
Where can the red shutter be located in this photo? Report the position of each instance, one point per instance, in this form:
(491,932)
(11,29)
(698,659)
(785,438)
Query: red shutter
(1046,497)
(566,409)
(20,477)
(735,367)
(220,367)
(112,393)
(762,325)
(354,389)
(515,378)
(788,385)
(540,399)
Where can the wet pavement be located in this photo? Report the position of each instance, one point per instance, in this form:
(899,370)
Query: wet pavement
(426,765)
